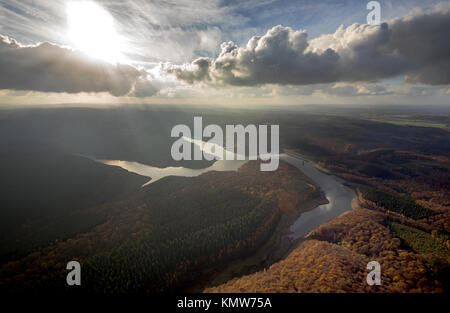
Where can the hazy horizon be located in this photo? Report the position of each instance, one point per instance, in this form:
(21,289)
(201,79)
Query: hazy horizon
(223,53)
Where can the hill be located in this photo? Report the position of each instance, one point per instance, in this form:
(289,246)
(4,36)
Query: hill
(334,258)
(170,234)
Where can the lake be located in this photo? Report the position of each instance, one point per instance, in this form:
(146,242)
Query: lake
(339,196)
(156,173)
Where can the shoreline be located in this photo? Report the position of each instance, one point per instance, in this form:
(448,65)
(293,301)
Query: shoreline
(355,202)
(275,249)
(280,244)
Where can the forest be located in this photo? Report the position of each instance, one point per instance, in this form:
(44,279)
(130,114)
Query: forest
(401,205)
(406,176)
(171,232)
(60,205)
(47,194)
(420,241)
(334,258)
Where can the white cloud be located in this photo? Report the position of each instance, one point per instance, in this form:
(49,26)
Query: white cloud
(416,46)
(50,68)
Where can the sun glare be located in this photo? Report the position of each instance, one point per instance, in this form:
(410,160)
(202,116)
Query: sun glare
(91,30)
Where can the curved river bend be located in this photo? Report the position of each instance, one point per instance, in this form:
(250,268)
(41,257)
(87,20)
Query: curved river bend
(340,197)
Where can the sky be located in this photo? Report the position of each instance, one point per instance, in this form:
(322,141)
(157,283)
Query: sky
(237,53)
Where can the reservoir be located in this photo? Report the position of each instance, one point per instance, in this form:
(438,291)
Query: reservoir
(339,196)
(156,173)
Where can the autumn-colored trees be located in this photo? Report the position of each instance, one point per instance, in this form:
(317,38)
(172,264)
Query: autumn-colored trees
(334,259)
(172,231)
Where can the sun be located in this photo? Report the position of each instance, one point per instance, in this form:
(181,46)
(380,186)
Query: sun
(91,30)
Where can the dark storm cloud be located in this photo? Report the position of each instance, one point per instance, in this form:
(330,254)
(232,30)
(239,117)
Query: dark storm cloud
(423,38)
(416,46)
(50,68)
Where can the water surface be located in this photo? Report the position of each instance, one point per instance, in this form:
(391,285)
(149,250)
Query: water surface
(339,196)
(156,173)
